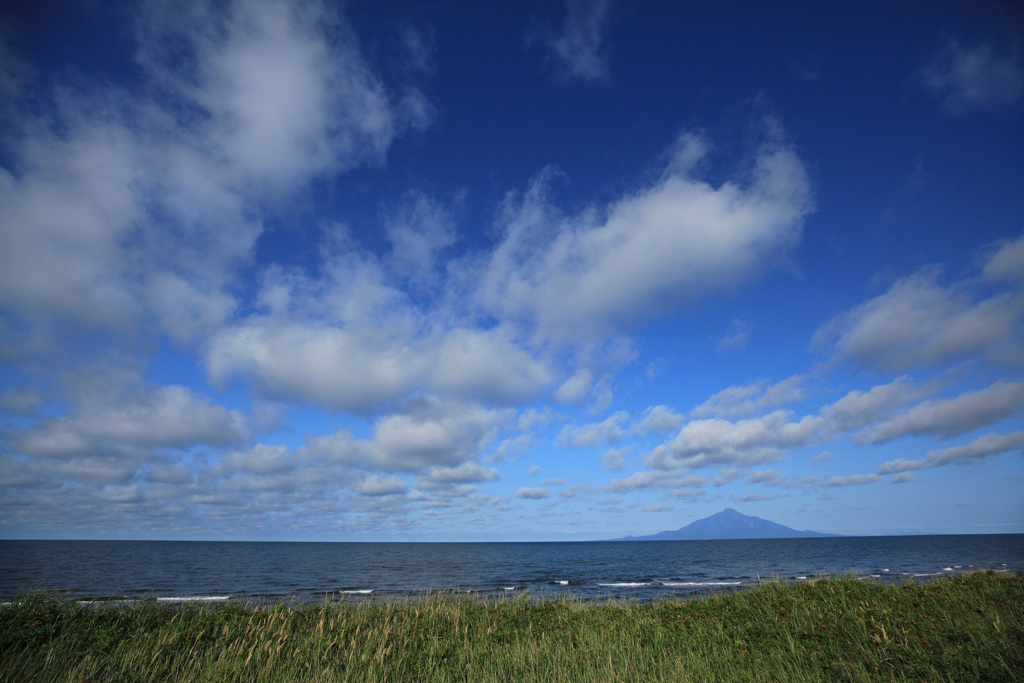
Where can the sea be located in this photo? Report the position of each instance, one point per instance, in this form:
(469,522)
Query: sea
(293,572)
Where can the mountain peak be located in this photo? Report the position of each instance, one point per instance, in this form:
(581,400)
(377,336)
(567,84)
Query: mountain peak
(728,524)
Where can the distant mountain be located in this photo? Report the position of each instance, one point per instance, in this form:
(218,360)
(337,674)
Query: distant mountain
(727,524)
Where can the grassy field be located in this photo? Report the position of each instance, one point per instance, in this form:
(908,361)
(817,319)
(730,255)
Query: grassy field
(963,628)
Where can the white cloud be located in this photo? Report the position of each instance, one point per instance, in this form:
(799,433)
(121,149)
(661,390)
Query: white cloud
(976,77)
(352,340)
(376,485)
(659,419)
(639,481)
(132,211)
(319,364)
(467,472)
(739,334)
(487,365)
(609,430)
(22,400)
(767,477)
(860,408)
(576,389)
(754,498)
(578,48)
(651,479)
(533,418)
(433,433)
(533,493)
(288,92)
(511,448)
(614,458)
(919,322)
(717,442)
(900,465)
(582,278)
(134,422)
(261,459)
(850,480)
(949,417)
(1006,263)
(419,233)
(980,448)
(742,401)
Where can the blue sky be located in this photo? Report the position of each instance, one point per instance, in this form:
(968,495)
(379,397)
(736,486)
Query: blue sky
(509,271)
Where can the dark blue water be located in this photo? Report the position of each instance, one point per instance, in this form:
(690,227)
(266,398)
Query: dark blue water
(643,570)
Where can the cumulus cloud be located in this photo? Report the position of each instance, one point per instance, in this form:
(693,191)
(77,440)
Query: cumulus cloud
(980,448)
(742,401)
(430,433)
(576,389)
(850,480)
(580,278)
(744,443)
(609,430)
(976,77)
(950,417)
(467,472)
(132,211)
(23,400)
(578,48)
(920,322)
(754,498)
(659,419)
(533,493)
(376,485)
(860,408)
(419,233)
(352,340)
(1006,263)
(288,92)
(651,479)
(641,480)
(145,418)
(614,458)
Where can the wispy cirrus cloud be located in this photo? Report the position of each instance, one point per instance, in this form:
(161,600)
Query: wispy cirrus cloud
(577,49)
(976,77)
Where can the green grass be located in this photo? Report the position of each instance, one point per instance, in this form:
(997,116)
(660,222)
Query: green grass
(964,628)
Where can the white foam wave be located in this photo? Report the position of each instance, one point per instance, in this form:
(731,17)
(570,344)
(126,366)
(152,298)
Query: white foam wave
(358,591)
(625,584)
(509,588)
(196,598)
(562,583)
(701,583)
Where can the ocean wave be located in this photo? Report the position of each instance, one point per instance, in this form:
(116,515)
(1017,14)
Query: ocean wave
(675,584)
(625,584)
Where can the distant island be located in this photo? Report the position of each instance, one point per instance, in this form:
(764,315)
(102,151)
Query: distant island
(727,524)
